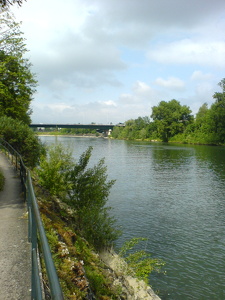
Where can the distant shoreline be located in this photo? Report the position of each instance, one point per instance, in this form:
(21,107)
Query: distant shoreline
(73,135)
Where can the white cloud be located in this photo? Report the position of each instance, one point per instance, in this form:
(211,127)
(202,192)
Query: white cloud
(141,92)
(187,51)
(110,103)
(199,75)
(171,83)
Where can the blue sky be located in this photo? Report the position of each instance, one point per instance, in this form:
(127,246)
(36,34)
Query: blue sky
(110,61)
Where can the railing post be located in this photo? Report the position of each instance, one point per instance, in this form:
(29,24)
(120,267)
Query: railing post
(36,293)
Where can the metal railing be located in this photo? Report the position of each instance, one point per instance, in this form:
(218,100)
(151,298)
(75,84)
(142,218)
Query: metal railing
(36,232)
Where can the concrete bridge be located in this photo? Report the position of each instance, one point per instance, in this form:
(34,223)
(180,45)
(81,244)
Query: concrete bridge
(98,127)
(101,128)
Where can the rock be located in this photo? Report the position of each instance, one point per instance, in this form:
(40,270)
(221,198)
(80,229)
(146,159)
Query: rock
(131,288)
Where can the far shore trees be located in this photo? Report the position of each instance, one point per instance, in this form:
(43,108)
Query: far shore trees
(174,122)
(171,118)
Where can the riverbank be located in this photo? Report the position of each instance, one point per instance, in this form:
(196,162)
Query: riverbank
(131,288)
(81,270)
(135,140)
(88,135)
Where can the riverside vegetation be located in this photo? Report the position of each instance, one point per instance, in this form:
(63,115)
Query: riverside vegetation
(79,226)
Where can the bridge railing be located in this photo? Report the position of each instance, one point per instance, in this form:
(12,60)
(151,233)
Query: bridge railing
(36,232)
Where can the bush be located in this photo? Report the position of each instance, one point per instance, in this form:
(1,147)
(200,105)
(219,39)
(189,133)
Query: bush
(54,168)
(85,190)
(140,262)
(22,139)
(88,194)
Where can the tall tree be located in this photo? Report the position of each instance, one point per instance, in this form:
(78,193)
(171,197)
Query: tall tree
(171,118)
(17,83)
(217,114)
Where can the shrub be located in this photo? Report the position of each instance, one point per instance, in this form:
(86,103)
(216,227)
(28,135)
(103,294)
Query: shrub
(140,262)
(54,168)
(84,189)
(23,139)
(88,195)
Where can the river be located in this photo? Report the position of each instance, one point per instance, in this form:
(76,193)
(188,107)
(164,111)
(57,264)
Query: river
(174,195)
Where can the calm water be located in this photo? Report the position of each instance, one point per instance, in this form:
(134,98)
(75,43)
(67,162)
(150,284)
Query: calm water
(174,196)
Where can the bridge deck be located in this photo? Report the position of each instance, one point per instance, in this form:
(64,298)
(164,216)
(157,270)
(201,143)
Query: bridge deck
(89,126)
(15,264)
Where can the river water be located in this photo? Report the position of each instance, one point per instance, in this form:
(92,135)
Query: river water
(174,195)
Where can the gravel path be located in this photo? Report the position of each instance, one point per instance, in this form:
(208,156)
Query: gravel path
(15,264)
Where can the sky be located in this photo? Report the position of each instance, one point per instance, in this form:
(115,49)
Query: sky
(109,61)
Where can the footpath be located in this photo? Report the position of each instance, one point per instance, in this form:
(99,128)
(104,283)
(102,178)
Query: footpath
(15,261)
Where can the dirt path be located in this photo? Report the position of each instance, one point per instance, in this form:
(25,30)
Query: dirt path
(15,262)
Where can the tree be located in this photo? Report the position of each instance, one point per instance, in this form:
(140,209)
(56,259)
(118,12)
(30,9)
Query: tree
(217,114)
(202,112)
(202,120)
(17,83)
(170,118)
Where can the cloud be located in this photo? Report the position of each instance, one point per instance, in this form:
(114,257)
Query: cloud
(160,13)
(79,61)
(110,103)
(141,92)
(76,113)
(199,75)
(187,51)
(100,60)
(171,83)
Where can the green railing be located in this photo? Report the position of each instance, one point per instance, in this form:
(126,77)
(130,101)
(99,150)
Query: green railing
(36,232)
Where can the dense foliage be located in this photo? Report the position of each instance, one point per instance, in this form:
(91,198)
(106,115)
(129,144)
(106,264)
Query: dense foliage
(170,118)
(78,131)
(84,189)
(22,138)
(172,121)
(17,83)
